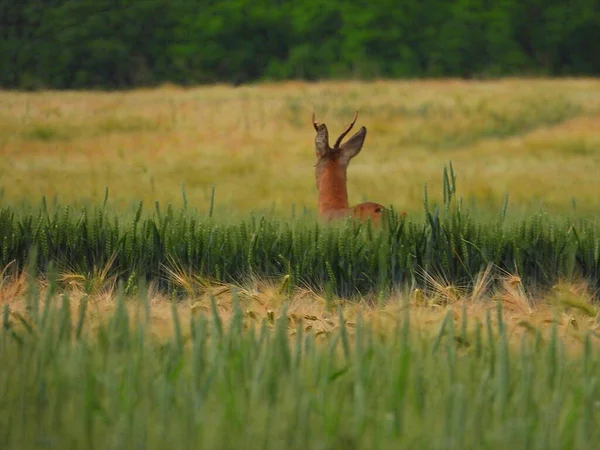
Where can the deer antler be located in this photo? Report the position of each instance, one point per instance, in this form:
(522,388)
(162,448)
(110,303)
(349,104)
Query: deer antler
(346,131)
(315,122)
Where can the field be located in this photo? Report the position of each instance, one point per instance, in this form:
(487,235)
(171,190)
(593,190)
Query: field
(165,283)
(535,140)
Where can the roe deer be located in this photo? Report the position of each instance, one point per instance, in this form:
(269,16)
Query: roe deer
(330,174)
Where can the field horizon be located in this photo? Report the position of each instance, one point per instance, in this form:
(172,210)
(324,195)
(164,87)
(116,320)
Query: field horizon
(534,140)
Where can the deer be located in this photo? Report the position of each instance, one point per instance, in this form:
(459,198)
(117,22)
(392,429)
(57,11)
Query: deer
(331,177)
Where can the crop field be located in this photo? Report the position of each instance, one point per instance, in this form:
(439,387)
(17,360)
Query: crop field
(536,140)
(165,281)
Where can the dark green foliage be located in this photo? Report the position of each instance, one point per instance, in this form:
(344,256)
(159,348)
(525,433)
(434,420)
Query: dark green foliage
(111,44)
(347,259)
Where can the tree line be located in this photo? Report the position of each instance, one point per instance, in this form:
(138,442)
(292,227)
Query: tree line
(75,44)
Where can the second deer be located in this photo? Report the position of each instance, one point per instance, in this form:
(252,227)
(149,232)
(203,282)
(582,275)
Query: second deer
(331,177)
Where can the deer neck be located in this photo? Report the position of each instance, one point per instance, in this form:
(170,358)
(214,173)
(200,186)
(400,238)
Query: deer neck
(331,183)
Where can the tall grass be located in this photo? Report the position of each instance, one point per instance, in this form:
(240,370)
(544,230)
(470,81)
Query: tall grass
(533,138)
(217,385)
(347,259)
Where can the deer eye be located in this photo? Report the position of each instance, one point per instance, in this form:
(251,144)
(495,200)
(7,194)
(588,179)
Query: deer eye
(378,209)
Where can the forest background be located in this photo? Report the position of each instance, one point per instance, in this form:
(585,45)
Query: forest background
(63,44)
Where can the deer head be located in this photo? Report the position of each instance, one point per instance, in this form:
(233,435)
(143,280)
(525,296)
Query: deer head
(332,162)
(338,154)
(330,174)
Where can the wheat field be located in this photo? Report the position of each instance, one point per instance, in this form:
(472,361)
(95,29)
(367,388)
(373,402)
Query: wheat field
(536,140)
(192,329)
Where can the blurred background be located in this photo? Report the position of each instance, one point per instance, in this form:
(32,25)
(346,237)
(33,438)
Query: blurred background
(64,44)
(157,99)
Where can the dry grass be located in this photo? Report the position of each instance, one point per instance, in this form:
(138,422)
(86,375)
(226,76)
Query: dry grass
(569,306)
(539,140)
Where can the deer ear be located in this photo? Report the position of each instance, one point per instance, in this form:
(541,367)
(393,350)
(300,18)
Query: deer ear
(322,140)
(352,146)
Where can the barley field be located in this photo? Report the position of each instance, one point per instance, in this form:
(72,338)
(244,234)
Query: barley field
(164,281)
(535,140)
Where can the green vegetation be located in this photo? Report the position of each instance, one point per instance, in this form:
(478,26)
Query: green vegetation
(349,259)
(113,44)
(215,384)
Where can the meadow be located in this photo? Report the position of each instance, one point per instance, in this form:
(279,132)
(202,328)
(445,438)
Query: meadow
(164,281)
(533,139)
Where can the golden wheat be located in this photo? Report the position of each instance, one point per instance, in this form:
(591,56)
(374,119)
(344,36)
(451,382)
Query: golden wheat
(538,140)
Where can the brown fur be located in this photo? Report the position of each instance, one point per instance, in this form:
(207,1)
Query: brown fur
(362,211)
(331,177)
